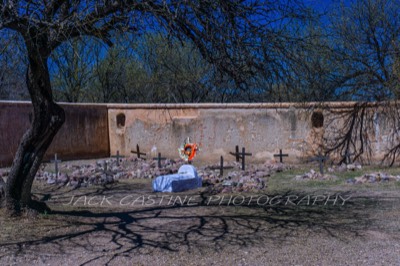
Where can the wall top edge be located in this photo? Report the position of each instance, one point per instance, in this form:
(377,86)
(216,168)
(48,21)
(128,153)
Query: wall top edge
(303,105)
(2,102)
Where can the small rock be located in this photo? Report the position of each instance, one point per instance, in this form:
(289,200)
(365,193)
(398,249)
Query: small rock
(120,175)
(62,178)
(262,174)
(73,183)
(138,173)
(342,168)
(227,183)
(226,190)
(373,179)
(385,177)
(351,167)
(51,180)
(358,166)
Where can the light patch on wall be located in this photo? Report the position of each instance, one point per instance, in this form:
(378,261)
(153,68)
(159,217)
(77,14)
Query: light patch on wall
(293,122)
(183,119)
(265,155)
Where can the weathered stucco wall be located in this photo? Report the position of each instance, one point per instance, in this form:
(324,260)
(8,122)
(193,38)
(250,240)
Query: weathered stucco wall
(93,131)
(262,129)
(84,134)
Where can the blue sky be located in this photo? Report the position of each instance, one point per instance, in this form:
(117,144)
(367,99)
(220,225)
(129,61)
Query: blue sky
(321,5)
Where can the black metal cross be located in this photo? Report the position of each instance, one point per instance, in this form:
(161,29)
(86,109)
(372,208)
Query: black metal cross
(118,156)
(243,156)
(321,159)
(221,167)
(159,158)
(137,152)
(347,156)
(236,154)
(56,161)
(281,155)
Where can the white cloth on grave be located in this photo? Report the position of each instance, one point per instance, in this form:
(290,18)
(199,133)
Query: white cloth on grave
(185,179)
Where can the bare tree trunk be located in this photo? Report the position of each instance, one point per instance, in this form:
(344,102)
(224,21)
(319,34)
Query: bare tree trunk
(48,118)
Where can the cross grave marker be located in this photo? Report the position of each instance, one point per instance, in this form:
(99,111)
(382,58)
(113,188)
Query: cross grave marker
(347,156)
(221,167)
(236,154)
(281,155)
(137,152)
(159,159)
(241,155)
(56,161)
(118,156)
(320,159)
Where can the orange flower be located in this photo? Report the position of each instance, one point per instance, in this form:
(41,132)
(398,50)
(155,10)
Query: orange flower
(188,150)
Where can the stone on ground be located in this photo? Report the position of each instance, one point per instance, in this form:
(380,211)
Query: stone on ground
(313,175)
(378,177)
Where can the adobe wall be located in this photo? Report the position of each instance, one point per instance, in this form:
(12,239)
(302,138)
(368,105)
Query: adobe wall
(262,129)
(94,131)
(84,134)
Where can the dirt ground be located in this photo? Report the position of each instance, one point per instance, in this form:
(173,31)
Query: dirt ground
(290,223)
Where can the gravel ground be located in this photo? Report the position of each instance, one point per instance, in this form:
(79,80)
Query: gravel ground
(311,251)
(364,230)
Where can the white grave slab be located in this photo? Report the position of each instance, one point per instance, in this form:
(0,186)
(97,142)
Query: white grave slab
(185,179)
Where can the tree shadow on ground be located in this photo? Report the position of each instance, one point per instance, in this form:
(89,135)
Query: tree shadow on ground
(203,225)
